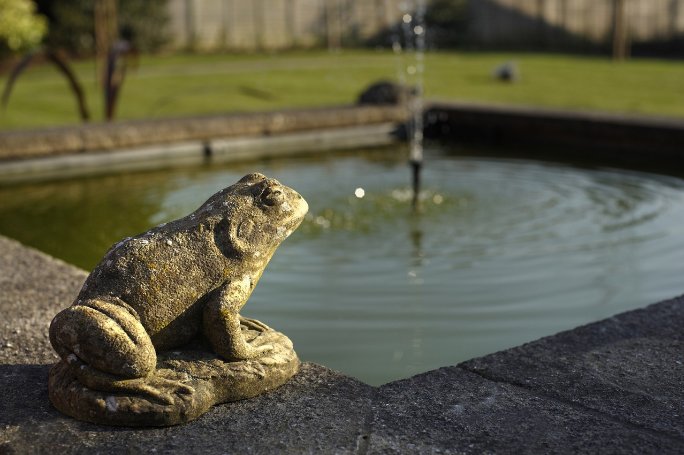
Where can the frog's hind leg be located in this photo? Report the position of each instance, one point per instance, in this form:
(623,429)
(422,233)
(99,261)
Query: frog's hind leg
(107,348)
(98,337)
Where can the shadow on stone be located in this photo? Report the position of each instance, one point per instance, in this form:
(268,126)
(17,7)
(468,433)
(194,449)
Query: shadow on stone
(317,411)
(24,396)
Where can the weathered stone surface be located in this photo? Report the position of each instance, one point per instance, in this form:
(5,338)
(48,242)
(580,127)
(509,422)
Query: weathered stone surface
(136,133)
(33,287)
(629,367)
(184,385)
(177,283)
(451,410)
(317,411)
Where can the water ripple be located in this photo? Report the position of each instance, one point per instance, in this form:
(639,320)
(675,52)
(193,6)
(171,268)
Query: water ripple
(500,253)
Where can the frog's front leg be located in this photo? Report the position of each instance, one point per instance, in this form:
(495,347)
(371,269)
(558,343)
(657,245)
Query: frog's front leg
(222,322)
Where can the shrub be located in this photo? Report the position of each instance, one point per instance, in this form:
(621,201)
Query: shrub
(20,28)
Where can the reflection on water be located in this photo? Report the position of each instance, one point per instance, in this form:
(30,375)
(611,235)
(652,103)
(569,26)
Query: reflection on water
(501,253)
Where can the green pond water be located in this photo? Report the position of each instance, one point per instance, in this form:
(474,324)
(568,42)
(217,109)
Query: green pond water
(503,251)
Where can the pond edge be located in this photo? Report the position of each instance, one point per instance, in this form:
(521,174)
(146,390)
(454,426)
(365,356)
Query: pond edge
(614,384)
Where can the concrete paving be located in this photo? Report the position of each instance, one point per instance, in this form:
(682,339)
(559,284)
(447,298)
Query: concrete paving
(615,386)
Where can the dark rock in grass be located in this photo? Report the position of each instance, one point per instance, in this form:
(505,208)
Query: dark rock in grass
(385,92)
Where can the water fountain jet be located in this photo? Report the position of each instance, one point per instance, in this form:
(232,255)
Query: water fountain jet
(413,29)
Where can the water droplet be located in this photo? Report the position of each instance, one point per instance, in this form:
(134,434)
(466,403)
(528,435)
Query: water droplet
(359,193)
(418,30)
(406,18)
(411,69)
(437,199)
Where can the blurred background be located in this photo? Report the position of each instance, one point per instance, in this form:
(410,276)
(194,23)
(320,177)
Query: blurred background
(187,57)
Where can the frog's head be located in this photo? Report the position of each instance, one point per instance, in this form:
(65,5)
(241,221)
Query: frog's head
(259,214)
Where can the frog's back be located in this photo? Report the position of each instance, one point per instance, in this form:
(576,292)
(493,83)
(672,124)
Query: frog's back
(162,276)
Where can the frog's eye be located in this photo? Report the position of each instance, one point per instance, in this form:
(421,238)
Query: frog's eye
(254,177)
(257,190)
(272,197)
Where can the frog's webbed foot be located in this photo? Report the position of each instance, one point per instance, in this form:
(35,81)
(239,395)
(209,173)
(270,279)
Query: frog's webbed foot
(257,351)
(164,389)
(254,324)
(225,333)
(162,386)
(156,389)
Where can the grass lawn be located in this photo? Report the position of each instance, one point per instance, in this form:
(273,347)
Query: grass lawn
(177,85)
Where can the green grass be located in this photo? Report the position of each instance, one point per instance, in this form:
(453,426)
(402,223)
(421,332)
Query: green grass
(165,86)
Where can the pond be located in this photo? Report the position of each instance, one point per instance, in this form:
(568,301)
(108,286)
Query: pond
(503,251)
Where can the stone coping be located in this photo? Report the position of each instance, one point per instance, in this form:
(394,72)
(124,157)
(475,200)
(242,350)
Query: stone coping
(101,137)
(195,153)
(636,139)
(614,386)
(599,137)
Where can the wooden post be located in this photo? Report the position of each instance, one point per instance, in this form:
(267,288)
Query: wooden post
(620,31)
(674,20)
(190,26)
(333,25)
(259,21)
(291,24)
(106,30)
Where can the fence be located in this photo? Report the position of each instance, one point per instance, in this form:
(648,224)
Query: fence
(554,23)
(278,24)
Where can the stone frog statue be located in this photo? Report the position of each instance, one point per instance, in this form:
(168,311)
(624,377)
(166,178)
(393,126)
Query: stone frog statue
(160,289)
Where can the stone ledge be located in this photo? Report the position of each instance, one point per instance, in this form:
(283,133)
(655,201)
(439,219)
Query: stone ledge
(614,386)
(210,151)
(595,136)
(98,137)
(629,367)
(451,410)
